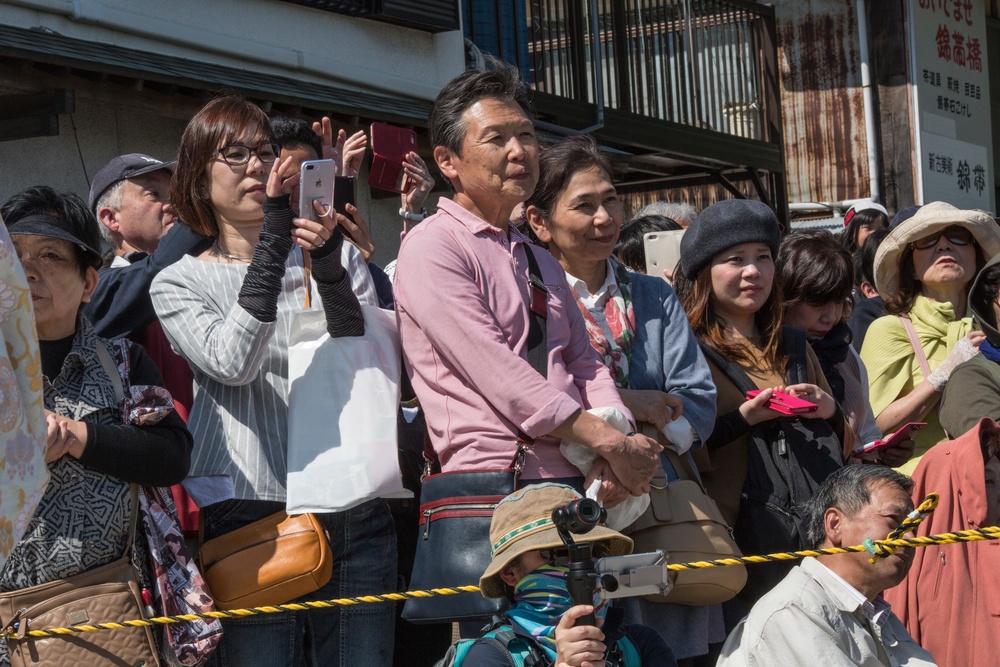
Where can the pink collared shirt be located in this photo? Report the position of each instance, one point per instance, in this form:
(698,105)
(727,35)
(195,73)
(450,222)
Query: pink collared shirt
(461,294)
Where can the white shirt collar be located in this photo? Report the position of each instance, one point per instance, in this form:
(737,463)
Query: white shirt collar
(877,611)
(603,293)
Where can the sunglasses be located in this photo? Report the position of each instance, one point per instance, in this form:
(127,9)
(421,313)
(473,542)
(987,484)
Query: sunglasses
(956,235)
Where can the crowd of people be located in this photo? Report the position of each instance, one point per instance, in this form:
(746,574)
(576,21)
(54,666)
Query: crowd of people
(165,362)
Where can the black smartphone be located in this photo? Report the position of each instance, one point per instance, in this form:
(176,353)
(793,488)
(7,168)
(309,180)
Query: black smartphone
(343,194)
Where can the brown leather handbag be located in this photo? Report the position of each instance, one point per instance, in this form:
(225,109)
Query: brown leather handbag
(109,593)
(684,522)
(270,561)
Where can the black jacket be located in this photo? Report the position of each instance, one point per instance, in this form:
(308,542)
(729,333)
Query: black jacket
(120,305)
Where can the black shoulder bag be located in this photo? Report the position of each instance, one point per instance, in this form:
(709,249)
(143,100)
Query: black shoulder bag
(789,458)
(456,508)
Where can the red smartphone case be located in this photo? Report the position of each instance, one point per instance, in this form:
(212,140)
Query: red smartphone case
(906,432)
(786,404)
(390,144)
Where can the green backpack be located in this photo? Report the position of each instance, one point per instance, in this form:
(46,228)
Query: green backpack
(526,653)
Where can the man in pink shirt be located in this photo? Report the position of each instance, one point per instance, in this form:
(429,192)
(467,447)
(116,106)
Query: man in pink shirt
(462,300)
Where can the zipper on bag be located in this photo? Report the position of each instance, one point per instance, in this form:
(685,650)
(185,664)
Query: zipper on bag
(458,509)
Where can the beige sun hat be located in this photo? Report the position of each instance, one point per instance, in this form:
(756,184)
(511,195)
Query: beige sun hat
(522,522)
(930,219)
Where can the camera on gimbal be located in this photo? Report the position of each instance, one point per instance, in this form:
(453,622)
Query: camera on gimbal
(613,577)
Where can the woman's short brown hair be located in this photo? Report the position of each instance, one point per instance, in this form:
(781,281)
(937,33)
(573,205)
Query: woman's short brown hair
(219,123)
(814,269)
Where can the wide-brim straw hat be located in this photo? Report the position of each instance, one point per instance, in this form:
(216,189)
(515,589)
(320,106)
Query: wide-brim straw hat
(522,522)
(928,220)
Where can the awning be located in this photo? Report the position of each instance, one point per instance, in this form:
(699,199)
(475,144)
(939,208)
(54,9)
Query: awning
(45,46)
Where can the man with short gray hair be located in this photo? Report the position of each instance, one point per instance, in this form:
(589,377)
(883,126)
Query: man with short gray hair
(829,610)
(680,212)
(130,196)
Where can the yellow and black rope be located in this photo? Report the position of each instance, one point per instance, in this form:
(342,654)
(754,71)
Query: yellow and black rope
(878,548)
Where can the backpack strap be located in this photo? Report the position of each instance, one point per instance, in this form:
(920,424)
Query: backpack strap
(523,650)
(731,369)
(795,344)
(629,652)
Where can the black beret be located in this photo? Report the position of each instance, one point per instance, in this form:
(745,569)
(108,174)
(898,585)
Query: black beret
(725,224)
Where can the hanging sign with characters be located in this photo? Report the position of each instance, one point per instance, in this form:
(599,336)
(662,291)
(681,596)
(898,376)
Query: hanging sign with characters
(953,123)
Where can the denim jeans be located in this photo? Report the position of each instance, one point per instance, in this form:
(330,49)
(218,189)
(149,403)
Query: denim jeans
(363,544)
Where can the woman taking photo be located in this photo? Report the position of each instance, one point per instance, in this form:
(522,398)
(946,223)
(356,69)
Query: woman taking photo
(84,516)
(923,270)
(227,312)
(734,306)
(635,323)
(815,275)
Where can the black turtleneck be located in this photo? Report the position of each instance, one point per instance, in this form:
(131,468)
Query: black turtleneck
(53,353)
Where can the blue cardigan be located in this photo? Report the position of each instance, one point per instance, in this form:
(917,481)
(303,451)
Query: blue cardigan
(665,353)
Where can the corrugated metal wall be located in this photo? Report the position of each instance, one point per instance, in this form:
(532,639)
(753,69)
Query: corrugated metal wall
(822,103)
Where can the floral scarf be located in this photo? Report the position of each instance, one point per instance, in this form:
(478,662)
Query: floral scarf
(540,600)
(621,321)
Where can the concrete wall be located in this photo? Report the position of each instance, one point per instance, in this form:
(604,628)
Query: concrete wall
(258,35)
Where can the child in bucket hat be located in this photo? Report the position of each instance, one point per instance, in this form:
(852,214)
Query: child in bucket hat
(529,566)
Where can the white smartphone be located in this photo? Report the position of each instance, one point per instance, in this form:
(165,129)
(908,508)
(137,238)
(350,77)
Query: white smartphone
(316,179)
(663,251)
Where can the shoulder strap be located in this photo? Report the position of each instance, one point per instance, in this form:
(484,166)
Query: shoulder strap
(133,515)
(795,343)
(522,650)
(730,368)
(111,369)
(918,349)
(682,464)
(630,652)
(538,349)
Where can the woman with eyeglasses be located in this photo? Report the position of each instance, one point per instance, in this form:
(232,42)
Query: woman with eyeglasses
(923,270)
(227,312)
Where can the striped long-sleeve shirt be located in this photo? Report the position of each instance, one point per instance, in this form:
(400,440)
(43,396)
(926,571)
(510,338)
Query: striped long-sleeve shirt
(239,417)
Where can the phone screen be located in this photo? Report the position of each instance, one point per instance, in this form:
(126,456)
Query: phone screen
(343,194)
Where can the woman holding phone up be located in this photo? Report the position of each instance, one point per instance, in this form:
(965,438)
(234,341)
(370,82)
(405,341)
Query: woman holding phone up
(227,312)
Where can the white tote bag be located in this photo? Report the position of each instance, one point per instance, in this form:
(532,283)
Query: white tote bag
(342,403)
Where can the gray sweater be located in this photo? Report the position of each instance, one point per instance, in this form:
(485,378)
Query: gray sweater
(239,419)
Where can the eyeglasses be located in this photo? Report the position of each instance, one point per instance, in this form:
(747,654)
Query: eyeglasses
(956,235)
(237,155)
